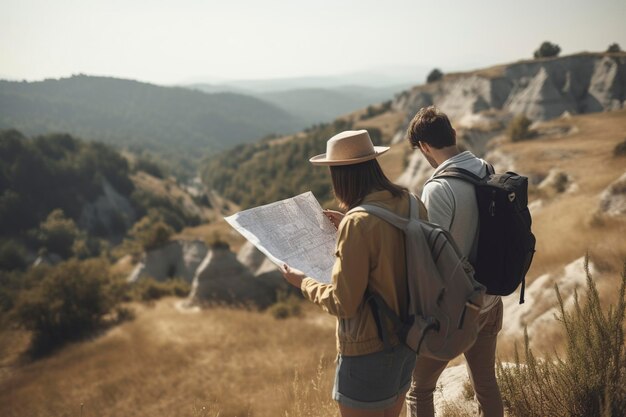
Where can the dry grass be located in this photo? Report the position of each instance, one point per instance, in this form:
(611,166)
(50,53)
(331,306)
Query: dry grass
(388,123)
(564,225)
(207,232)
(172,363)
(169,189)
(393,162)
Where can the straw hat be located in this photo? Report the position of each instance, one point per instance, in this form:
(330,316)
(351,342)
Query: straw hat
(349,147)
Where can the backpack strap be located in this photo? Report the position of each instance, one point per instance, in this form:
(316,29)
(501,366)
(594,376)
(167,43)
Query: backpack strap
(460,173)
(378,305)
(464,174)
(375,301)
(389,216)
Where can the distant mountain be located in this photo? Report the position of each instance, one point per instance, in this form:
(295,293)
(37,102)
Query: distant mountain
(315,105)
(126,113)
(382,77)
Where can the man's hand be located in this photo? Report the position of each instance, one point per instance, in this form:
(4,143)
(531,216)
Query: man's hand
(335,217)
(292,275)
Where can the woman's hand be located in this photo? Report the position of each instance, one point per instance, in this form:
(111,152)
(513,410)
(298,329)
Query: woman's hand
(335,217)
(292,275)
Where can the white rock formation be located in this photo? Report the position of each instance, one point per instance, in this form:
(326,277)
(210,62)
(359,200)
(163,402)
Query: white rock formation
(106,210)
(178,258)
(556,182)
(416,173)
(264,269)
(222,278)
(613,198)
(540,307)
(540,89)
(250,256)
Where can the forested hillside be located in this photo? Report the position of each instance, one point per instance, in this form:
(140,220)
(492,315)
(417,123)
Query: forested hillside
(273,169)
(172,122)
(64,196)
(53,172)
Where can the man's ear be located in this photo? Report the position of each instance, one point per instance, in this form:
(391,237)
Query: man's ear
(424,147)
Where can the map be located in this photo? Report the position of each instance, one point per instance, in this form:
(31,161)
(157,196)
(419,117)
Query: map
(293,232)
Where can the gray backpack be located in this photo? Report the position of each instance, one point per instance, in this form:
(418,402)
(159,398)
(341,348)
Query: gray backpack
(444,298)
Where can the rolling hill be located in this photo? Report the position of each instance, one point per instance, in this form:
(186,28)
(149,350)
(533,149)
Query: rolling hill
(168,121)
(315,105)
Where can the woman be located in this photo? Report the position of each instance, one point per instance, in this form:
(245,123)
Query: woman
(372,377)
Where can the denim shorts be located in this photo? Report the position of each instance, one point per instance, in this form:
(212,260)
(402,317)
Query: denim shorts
(373,381)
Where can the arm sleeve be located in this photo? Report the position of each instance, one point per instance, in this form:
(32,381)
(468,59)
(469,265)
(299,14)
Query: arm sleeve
(439,202)
(350,275)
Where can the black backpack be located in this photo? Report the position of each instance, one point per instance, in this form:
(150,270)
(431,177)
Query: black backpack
(506,245)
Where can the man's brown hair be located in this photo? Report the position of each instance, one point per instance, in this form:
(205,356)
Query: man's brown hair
(432,126)
(351,183)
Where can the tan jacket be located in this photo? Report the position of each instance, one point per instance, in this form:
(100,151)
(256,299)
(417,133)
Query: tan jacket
(370,253)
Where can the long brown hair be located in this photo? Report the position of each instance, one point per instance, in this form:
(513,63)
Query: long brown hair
(351,183)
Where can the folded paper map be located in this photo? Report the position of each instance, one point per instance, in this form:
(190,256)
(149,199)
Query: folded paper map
(293,232)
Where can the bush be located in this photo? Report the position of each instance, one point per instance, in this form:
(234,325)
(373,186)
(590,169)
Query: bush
(149,289)
(613,48)
(434,75)
(149,166)
(286,306)
(590,380)
(70,302)
(217,242)
(620,149)
(547,50)
(519,128)
(373,111)
(12,255)
(57,233)
(151,231)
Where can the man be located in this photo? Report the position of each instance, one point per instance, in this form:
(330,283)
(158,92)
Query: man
(451,203)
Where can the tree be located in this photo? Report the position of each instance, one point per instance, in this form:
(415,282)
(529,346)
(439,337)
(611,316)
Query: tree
(72,300)
(57,233)
(151,231)
(434,75)
(519,128)
(547,49)
(614,47)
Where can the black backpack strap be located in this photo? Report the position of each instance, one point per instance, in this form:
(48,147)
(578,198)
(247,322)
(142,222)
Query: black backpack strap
(378,305)
(460,173)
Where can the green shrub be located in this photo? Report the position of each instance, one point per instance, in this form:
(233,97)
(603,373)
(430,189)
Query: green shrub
(149,166)
(590,380)
(151,231)
(149,289)
(434,75)
(547,49)
(519,128)
(12,255)
(373,111)
(286,306)
(217,242)
(613,48)
(70,301)
(57,233)
(620,149)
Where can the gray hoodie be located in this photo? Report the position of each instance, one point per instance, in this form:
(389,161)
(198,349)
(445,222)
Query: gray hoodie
(451,203)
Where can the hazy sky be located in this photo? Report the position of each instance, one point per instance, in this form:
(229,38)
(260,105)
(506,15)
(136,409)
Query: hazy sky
(191,40)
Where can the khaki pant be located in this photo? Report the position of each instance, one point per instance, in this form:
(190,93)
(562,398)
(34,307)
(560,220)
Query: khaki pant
(480,359)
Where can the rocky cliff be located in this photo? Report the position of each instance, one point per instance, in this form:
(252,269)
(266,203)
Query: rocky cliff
(221,278)
(216,274)
(179,258)
(481,103)
(541,89)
